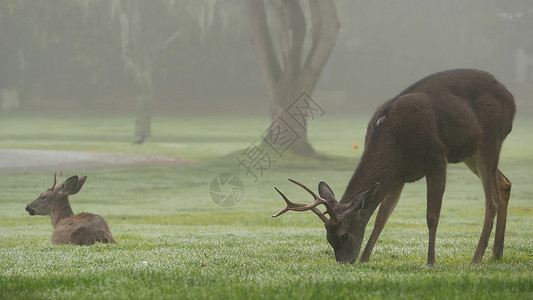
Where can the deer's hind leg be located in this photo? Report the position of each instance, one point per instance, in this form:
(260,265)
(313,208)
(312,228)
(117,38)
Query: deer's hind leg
(504,186)
(497,192)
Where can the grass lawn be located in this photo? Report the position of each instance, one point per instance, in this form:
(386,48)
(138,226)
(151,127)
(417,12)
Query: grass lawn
(174,242)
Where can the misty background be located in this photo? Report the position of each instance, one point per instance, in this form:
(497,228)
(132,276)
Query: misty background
(72,55)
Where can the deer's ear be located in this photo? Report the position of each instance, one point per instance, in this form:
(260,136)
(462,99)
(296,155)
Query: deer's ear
(72,185)
(364,199)
(326,193)
(80,183)
(369,195)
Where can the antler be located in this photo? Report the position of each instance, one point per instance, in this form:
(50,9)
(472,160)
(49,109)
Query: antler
(60,180)
(304,207)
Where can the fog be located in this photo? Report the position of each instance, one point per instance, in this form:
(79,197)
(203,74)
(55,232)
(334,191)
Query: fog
(180,117)
(199,57)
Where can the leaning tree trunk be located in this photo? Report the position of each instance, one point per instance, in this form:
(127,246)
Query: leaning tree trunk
(295,75)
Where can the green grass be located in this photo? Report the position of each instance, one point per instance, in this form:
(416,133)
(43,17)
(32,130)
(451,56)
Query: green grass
(174,242)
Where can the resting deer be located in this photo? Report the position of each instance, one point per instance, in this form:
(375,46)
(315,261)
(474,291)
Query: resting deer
(449,117)
(80,229)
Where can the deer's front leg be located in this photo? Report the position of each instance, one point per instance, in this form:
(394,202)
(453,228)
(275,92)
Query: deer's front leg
(436,182)
(385,210)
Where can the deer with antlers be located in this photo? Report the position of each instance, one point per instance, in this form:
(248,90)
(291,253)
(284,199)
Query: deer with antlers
(453,116)
(80,229)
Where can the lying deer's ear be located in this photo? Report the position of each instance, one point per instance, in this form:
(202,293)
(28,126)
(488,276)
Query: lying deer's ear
(81,181)
(326,193)
(72,185)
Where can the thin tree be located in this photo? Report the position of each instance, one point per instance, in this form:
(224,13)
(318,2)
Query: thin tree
(139,55)
(147,29)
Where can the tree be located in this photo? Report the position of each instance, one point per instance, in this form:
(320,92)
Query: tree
(140,52)
(287,79)
(147,29)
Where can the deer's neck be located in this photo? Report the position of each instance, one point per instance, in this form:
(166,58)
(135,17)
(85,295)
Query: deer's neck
(372,169)
(60,211)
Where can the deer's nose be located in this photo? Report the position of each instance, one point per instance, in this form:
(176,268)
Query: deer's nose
(30,210)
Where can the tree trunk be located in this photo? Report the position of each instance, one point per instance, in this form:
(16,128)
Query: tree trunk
(143,120)
(145,103)
(139,64)
(287,81)
(283,118)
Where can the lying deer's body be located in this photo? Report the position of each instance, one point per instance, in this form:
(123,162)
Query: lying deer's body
(80,229)
(449,117)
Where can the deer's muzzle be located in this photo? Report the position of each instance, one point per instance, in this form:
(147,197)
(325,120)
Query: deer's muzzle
(30,210)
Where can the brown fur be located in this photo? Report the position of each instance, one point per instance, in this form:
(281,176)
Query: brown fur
(453,116)
(80,229)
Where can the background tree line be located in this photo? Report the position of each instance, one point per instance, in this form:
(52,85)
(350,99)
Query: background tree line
(73,54)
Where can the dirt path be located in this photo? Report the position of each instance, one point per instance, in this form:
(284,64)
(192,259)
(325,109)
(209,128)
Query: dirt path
(26,161)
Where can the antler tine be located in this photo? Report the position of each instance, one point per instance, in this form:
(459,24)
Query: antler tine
(54,185)
(290,205)
(286,209)
(304,207)
(299,207)
(61,179)
(305,188)
(318,200)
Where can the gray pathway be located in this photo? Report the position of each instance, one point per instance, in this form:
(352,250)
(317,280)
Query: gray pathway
(27,161)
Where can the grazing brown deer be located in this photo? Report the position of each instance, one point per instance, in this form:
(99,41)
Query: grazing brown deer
(449,117)
(80,229)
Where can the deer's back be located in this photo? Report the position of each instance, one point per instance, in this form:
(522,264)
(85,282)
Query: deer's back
(449,113)
(460,93)
(82,229)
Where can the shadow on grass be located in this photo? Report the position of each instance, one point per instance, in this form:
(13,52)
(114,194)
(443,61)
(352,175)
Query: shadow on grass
(293,161)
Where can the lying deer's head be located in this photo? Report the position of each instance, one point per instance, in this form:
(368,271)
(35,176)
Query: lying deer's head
(347,221)
(54,195)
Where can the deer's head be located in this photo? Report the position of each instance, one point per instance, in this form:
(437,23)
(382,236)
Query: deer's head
(345,227)
(54,195)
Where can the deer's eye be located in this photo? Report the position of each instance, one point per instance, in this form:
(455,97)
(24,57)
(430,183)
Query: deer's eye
(344,237)
(42,198)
